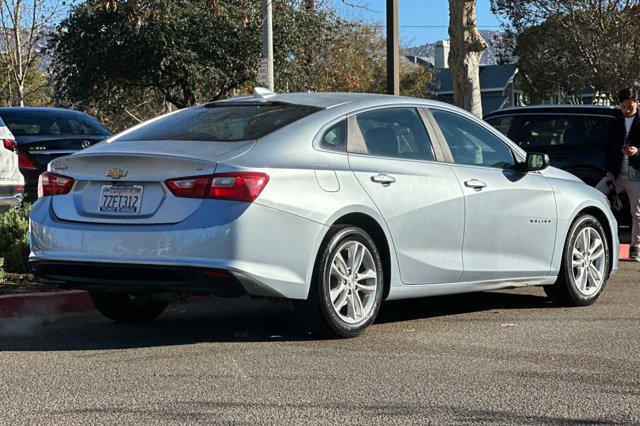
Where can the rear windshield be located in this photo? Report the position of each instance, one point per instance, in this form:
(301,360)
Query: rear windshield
(52,123)
(222,122)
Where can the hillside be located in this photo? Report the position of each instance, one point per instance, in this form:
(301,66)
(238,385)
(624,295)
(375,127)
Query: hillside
(489,56)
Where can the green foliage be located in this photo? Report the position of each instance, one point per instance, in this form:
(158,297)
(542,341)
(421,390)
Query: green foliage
(567,45)
(127,61)
(16,260)
(14,239)
(36,86)
(13,225)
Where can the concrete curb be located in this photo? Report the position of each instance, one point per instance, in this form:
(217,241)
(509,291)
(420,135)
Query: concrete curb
(14,305)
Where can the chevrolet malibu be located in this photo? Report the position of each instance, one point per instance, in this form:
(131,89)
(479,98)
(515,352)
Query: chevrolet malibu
(336,201)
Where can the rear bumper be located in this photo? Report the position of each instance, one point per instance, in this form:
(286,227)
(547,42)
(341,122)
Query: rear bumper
(10,197)
(147,278)
(274,250)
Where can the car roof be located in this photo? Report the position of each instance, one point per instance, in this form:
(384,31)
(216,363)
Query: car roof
(571,109)
(38,110)
(334,99)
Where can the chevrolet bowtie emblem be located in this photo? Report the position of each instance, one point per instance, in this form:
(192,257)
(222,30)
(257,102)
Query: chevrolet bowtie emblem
(116,173)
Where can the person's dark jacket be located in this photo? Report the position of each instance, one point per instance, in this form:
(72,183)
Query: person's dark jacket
(615,140)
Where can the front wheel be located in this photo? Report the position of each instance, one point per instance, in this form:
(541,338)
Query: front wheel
(585,264)
(347,287)
(128,307)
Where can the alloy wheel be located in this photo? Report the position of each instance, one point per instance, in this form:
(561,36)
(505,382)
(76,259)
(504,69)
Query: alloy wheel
(588,261)
(353,282)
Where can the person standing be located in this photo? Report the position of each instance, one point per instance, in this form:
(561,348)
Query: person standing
(622,161)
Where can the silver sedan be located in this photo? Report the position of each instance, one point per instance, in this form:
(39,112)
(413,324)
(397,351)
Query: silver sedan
(337,201)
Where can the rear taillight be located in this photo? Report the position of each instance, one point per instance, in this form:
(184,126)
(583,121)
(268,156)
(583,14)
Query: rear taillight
(54,184)
(237,186)
(189,187)
(25,161)
(10,144)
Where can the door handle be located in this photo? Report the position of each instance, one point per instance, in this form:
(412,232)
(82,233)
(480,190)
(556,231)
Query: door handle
(385,180)
(475,184)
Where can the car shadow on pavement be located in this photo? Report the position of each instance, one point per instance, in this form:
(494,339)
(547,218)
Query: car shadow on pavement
(412,309)
(223,320)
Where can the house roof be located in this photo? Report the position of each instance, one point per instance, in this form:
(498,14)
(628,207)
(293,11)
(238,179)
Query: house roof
(425,61)
(492,78)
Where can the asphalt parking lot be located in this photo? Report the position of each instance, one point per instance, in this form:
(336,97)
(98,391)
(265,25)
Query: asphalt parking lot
(507,356)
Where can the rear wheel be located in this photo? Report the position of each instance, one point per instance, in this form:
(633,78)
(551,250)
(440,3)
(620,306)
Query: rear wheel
(585,264)
(128,307)
(347,287)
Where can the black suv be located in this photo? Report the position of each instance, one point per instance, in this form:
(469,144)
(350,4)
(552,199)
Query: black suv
(572,136)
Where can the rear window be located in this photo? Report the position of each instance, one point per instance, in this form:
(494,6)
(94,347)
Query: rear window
(52,123)
(222,122)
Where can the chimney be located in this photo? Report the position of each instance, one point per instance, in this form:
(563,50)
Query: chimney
(442,54)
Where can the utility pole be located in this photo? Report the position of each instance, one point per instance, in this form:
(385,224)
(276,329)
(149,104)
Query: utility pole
(393,49)
(267,40)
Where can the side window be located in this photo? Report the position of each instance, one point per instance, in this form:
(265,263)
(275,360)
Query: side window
(395,132)
(335,138)
(472,144)
(545,130)
(591,129)
(502,124)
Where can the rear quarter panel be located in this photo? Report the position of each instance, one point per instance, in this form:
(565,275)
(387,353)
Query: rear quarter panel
(312,183)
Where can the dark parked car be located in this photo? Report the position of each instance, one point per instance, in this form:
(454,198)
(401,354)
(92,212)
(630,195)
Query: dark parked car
(572,136)
(43,134)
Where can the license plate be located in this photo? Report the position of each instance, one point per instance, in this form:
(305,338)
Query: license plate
(122,199)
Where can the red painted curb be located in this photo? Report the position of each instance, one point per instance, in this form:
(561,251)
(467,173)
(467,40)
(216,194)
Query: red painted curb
(624,251)
(44,303)
(77,301)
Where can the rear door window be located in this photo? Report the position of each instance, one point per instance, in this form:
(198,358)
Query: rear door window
(545,130)
(591,128)
(222,122)
(395,132)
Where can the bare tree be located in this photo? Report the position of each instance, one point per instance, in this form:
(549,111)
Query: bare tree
(22,27)
(467,46)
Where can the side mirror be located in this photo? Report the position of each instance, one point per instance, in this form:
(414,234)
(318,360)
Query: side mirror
(536,162)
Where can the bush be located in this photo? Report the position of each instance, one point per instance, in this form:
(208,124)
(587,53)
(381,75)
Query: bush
(14,239)
(16,259)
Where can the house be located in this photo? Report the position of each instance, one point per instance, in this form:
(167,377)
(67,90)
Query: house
(497,86)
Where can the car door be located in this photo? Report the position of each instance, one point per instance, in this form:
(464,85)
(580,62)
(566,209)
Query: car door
(393,157)
(510,216)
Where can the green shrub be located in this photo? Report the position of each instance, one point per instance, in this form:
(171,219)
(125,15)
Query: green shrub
(13,225)
(16,259)
(14,239)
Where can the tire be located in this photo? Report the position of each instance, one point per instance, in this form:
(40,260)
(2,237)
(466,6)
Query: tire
(582,285)
(333,284)
(127,307)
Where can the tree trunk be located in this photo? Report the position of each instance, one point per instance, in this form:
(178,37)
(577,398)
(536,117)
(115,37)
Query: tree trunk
(467,46)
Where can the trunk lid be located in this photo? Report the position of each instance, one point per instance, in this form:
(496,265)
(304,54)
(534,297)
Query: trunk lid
(143,165)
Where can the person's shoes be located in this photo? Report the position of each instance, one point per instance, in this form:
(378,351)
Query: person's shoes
(634,254)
